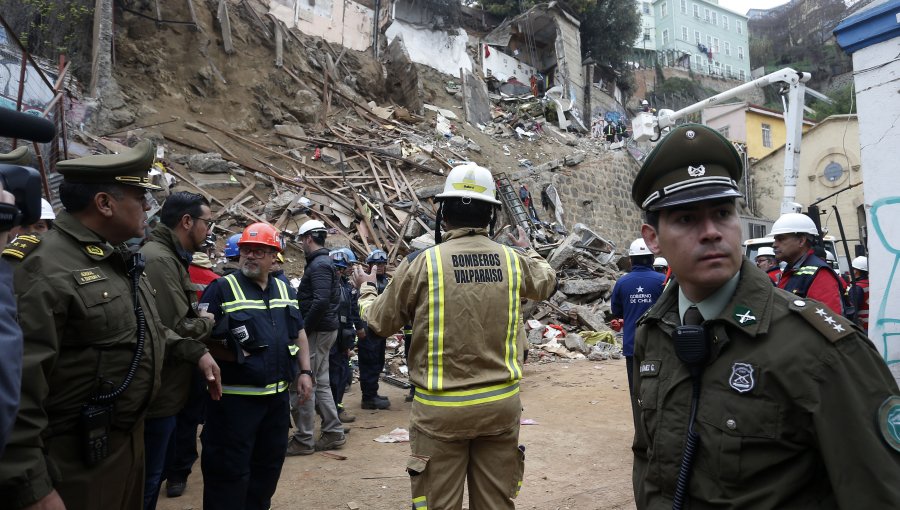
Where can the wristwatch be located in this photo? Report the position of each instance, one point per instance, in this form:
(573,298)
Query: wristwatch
(307,372)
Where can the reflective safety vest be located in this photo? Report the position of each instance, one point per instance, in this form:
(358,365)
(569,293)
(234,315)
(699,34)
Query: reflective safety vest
(260,322)
(861,302)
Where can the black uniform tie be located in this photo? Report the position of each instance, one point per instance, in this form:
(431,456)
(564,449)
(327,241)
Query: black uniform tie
(692,317)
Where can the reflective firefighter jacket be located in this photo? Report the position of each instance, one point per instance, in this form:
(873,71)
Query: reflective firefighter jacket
(462,298)
(264,323)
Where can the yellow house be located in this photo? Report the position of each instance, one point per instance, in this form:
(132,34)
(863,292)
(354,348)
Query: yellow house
(759,129)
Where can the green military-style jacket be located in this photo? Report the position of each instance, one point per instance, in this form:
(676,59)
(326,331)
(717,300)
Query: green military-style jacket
(76,314)
(167,264)
(791,413)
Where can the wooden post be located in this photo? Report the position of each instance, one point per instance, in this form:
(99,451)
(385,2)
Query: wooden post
(195,27)
(462,90)
(279,45)
(225,25)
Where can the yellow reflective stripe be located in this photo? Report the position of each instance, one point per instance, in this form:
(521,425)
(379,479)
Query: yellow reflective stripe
(513,271)
(467,397)
(518,488)
(435,375)
(236,290)
(270,389)
(293,349)
(420,503)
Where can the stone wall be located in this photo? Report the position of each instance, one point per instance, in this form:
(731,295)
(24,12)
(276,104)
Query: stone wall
(645,81)
(597,192)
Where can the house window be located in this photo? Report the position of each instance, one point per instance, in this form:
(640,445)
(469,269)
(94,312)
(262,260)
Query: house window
(741,52)
(715,18)
(696,11)
(684,33)
(706,14)
(757,230)
(683,6)
(698,61)
(709,42)
(727,49)
(647,36)
(743,76)
(739,27)
(665,37)
(725,22)
(663,10)
(724,131)
(767,135)
(715,45)
(728,70)
(645,7)
(697,37)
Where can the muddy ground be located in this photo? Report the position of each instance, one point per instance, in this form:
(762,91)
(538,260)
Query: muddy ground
(579,454)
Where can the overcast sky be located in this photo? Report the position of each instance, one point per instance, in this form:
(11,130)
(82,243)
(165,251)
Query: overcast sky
(742,6)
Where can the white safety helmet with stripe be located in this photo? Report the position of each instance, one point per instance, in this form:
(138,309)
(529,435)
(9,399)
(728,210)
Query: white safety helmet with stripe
(765,251)
(470,181)
(638,247)
(311,226)
(794,223)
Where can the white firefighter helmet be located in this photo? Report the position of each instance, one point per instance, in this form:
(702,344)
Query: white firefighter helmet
(765,251)
(47,210)
(470,181)
(310,226)
(794,223)
(638,247)
(861,263)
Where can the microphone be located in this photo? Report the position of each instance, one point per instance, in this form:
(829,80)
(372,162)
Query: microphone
(15,124)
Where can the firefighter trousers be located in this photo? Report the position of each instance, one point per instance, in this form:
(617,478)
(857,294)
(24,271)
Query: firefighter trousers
(492,466)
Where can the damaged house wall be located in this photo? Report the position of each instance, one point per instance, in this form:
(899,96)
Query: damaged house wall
(342,22)
(430,35)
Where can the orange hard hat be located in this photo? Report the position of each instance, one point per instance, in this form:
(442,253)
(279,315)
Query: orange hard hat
(262,233)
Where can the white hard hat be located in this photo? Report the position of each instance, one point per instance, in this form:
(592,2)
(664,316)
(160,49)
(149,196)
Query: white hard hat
(861,263)
(47,210)
(470,181)
(661,261)
(310,226)
(794,223)
(829,256)
(638,247)
(644,101)
(765,251)
(305,202)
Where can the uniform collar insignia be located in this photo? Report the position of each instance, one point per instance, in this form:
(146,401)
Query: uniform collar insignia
(93,249)
(742,379)
(696,171)
(744,316)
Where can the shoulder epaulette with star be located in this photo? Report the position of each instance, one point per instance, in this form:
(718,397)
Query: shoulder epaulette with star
(20,247)
(829,324)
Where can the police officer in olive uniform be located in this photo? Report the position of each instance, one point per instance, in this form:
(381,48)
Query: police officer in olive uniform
(94,344)
(749,396)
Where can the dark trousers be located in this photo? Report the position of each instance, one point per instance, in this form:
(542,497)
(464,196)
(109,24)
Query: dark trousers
(183,446)
(244,442)
(339,373)
(157,433)
(371,363)
(629,362)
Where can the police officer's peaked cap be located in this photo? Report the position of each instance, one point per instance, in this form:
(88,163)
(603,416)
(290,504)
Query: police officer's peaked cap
(692,163)
(131,168)
(16,157)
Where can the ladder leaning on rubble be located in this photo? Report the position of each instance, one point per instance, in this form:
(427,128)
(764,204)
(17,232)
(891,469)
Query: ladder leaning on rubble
(510,199)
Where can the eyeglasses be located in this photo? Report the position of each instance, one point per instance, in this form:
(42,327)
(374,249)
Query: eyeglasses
(255,252)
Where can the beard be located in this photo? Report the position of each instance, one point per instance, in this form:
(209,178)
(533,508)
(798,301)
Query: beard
(250,272)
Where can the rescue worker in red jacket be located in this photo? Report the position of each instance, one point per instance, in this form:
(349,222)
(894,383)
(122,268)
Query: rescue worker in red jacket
(462,297)
(859,292)
(806,275)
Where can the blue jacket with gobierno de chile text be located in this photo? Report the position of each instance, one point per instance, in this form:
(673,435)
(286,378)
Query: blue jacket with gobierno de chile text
(633,295)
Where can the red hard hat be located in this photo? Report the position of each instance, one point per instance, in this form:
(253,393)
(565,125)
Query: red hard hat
(261,233)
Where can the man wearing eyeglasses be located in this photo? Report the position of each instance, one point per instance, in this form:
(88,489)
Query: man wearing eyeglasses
(263,349)
(185,220)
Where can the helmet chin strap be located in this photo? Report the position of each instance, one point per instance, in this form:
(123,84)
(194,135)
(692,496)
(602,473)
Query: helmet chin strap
(438,218)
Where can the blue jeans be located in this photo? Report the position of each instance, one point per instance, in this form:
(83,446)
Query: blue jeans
(157,432)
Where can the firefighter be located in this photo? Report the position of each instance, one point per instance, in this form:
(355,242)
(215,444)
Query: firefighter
(859,292)
(806,275)
(261,346)
(371,346)
(462,298)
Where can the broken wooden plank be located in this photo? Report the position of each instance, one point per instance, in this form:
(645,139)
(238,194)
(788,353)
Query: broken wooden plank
(225,26)
(354,146)
(192,185)
(220,146)
(279,45)
(256,16)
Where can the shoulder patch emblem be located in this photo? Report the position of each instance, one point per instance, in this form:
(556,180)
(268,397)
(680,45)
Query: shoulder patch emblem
(89,275)
(94,250)
(827,323)
(21,246)
(889,421)
(742,379)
